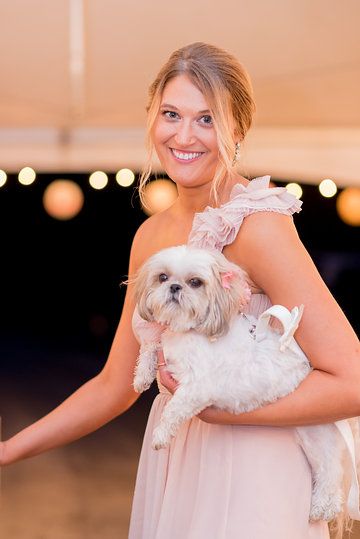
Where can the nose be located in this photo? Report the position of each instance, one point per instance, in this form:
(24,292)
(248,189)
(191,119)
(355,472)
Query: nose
(175,288)
(184,134)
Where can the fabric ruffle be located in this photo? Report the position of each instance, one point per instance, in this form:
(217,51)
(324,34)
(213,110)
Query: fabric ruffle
(216,227)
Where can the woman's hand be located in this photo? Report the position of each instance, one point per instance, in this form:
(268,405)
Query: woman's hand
(209,415)
(165,377)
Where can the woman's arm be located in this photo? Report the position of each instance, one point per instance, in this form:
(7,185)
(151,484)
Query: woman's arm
(96,402)
(269,249)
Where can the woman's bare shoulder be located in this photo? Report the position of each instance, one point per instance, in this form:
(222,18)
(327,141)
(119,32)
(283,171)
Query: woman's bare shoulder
(150,237)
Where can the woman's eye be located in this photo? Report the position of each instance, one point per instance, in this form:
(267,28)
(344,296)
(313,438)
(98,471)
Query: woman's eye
(195,282)
(163,277)
(170,114)
(206,119)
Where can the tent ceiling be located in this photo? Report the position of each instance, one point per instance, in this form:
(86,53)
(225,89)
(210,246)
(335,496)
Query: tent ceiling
(74,76)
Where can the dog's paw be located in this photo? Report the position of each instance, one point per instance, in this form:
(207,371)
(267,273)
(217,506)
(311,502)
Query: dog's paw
(139,388)
(158,445)
(161,438)
(140,384)
(326,508)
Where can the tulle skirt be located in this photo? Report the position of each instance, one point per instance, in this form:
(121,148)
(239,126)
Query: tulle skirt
(223,482)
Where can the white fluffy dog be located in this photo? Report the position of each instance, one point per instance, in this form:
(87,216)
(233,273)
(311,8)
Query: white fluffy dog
(224,358)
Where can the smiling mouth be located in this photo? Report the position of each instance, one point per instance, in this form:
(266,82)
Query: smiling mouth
(186,157)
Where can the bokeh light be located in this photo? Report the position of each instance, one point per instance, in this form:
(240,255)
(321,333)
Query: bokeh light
(98,179)
(125,177)
(63,199)
(3,177)
(294,189)
(328,188)
(348,206)
(27,176)
(159,195)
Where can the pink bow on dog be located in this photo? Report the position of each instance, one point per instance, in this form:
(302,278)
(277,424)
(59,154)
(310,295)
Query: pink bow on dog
(226,278)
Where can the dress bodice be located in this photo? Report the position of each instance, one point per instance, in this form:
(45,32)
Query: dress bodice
(214,228)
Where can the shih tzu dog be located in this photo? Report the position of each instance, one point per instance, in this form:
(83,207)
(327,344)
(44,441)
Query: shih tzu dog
(225,358)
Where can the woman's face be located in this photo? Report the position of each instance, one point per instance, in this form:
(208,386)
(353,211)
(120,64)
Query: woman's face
(184,135)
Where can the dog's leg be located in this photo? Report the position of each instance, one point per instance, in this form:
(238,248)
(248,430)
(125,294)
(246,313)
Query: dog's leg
(322,446)
(184,404)
(146,368)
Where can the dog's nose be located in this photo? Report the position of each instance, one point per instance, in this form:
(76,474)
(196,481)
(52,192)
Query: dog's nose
(175,288)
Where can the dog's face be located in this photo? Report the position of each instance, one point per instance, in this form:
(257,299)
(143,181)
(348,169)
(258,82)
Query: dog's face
(189,288)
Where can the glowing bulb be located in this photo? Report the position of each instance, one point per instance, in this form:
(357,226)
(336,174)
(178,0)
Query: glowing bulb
(328,188)
(27,176)
(348,206)
(294,189)
(98,179)
(3,178)
(125,177)
(159,195)
(63,199)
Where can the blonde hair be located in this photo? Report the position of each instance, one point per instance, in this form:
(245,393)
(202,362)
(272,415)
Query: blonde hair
(227,88)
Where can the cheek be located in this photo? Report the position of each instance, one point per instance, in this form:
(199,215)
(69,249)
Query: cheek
(213,144)
(161,133)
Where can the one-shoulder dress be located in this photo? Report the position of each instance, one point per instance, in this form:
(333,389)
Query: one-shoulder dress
(225,481)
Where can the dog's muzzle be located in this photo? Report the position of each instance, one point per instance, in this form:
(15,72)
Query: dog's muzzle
(175,290)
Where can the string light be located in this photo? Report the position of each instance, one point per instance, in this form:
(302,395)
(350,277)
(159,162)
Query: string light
(159,195)
(348,206)
(27,176)
(98,179)
(125,177)
(328,188)
(3,178)
(294,189)
(63,199)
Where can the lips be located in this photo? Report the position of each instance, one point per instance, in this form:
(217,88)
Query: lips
(185,157)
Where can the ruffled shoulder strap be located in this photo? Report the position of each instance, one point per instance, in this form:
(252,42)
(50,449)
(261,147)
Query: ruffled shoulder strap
(216,227)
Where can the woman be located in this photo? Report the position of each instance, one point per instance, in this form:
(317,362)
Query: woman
(224,475)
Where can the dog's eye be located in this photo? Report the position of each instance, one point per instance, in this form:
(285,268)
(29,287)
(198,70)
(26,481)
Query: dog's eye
(163,277)
(195,282)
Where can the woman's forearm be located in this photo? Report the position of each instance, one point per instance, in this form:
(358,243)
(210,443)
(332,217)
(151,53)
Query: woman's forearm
(320,398)
(87,409)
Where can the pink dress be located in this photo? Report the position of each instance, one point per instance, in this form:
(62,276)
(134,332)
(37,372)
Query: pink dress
(225,481)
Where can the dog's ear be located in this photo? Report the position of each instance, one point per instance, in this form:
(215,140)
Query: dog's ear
(228,293)
(218,316)
(234,279)
(141,290)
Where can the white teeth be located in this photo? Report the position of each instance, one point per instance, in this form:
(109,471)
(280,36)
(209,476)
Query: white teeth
(186,156)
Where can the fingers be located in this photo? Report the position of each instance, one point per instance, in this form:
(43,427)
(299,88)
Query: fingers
(165,377)
(167,380)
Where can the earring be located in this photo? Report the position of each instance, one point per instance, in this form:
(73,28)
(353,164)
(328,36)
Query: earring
(236,154)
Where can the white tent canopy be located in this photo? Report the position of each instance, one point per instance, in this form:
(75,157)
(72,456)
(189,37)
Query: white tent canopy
(74,78)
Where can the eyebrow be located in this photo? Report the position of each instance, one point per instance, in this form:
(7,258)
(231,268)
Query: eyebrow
(167,105)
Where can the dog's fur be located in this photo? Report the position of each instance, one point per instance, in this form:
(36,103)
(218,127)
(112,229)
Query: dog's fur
(198,295)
